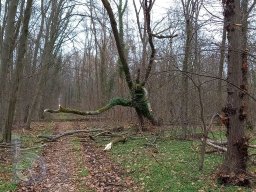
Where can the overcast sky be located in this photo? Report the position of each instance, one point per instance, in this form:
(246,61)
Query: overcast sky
(160,9)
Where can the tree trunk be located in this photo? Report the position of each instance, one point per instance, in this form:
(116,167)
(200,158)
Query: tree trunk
(184,97)
(6,53)
(221,64)
(52,32)
(234,165)
(18,73)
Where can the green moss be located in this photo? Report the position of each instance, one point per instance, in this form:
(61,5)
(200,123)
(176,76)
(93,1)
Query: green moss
(83,172)
(7,186)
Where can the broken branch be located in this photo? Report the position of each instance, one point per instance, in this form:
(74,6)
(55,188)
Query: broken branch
(210,143)
(164,36)
(113,102)
(68,133)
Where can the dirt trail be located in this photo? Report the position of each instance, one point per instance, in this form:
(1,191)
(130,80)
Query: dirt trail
(104,174)
(59,169)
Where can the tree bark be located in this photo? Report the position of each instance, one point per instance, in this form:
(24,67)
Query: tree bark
(234,165)
(221,64)
(6,52)
(67,133)
(184,81)
(120,48)
(18,73)
(53,32)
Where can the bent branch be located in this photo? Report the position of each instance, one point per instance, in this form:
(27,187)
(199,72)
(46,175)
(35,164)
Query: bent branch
(113,102)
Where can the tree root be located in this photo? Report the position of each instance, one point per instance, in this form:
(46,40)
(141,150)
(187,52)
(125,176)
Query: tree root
(234,179)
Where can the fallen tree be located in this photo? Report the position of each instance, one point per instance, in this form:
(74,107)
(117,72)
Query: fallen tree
(221,145)
(114,141)
(67,133)
(139,97)
(117,139)
(216,146)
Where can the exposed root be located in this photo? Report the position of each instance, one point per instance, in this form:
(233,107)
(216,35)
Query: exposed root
(241,179)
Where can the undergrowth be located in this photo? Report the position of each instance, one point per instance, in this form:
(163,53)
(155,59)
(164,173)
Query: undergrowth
(21,156)
(170,166)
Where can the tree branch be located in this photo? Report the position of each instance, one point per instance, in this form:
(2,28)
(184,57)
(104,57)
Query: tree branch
(150,39)
(67,133)
(164,36)
(119,45)
(113,102)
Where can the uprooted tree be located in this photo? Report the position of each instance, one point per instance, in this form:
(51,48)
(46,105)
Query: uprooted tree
(139,97)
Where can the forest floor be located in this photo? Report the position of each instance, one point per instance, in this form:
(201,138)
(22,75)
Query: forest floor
(75,164)
(78,163)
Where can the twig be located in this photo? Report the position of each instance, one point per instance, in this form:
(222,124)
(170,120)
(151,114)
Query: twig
(164,36)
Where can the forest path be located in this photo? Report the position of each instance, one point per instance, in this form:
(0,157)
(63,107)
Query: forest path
(75,164)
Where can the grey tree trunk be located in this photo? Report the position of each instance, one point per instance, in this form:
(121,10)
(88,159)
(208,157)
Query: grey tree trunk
(46,60)
(234,165)
(55,30)
(46,55)
(6,53)
(18,73)
(184,81)
(221,64)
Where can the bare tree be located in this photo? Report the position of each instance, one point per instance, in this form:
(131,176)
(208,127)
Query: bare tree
(190,11)
(57,24)
(139,99)
(7,50)
(18,73)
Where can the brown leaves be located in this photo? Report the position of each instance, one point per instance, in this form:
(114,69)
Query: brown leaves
(104,174)
(64,165)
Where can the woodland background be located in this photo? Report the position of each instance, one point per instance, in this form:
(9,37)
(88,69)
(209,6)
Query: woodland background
(71,58)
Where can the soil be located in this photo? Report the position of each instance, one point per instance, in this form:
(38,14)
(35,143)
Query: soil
(59,167)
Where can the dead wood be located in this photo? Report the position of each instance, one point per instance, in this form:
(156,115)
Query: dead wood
(122,139)
(114,141)
(252,146)
(221,143)
(212,151)
(68,133)
(220,148)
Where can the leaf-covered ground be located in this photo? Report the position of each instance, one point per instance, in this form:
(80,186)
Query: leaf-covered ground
(75,164)
(78,163)
(57,169)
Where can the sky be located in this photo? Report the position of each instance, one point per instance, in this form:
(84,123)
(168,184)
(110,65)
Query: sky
(159,11)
